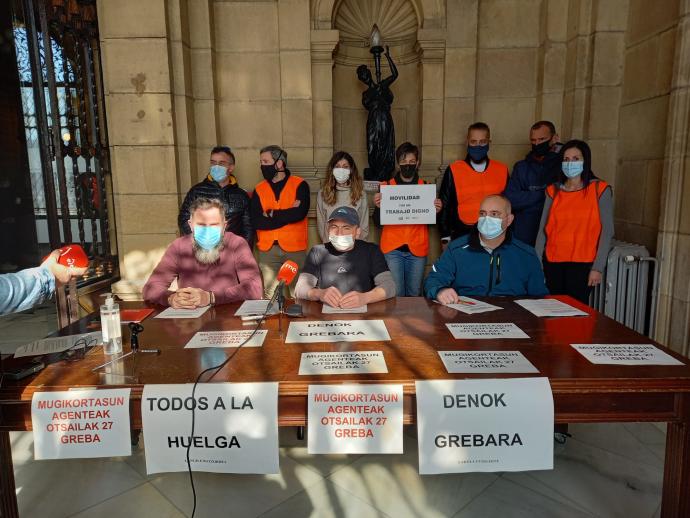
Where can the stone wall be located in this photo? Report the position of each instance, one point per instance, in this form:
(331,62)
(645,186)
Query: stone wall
(184,75)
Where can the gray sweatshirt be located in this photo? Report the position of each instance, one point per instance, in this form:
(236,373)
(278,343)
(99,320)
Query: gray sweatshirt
(606,215)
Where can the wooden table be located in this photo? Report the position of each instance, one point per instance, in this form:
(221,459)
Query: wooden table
(582,392)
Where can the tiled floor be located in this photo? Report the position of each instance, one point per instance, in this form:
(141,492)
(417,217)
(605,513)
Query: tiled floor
(604,470)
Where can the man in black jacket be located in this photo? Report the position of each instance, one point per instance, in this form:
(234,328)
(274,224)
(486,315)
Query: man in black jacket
(221,184)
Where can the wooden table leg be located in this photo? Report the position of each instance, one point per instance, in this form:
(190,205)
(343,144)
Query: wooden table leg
(8,494)
(675,501)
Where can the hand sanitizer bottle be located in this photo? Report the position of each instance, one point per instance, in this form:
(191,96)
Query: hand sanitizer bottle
(110,326)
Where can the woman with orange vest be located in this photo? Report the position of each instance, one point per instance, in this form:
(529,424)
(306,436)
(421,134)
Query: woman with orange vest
(405,247)
(576,226)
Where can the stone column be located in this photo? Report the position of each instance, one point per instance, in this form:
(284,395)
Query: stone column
(673,315)
(323,45)
(139,103)
(431,45)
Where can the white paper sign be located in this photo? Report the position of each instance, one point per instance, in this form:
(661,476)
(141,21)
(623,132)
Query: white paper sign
(81,424)
(408,204)
(484,425)
(362,362)
(235,428)
(486,361)
(337,331)
(471,306)
(182,313)
(625,354)
(57,344)
(371,185)
(330,310)
(486,331)
(255,307)
(227,339)
(355,419)
(550,308)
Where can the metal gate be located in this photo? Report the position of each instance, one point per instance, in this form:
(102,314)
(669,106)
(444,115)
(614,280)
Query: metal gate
(58,62)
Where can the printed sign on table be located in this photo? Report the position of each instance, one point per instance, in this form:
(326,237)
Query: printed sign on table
(355,419)
(408,205)
(362,362)
(337,331)
(227,338)
(81,424)
(484,425)
(486,331)
(471,306)
(625,354)
(235,427)
(485,361)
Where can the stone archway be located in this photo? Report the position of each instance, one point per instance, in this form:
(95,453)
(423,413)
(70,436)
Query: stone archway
(399,22)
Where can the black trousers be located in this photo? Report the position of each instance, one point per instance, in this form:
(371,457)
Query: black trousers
(568,279)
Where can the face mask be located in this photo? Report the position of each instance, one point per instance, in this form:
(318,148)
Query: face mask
(572,169)
(207,237)
(342,243)
(341,174)
(542,148)
(478,153)
(268,171)
(219,173)
(408,171)
(489,227)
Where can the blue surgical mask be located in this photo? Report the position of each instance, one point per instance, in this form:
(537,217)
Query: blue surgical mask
(219,173)
(478,153)
(572,169)
(489,227)
(207,237)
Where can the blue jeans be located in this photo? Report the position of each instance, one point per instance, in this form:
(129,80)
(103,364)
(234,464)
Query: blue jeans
(407,270)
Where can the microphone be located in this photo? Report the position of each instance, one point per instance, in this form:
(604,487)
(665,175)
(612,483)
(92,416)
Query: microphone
(72,255)
(286,274)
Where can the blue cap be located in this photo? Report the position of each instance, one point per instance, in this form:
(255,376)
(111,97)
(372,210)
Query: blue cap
(346,214)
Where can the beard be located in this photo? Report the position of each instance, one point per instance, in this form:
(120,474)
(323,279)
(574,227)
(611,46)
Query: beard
(211,256)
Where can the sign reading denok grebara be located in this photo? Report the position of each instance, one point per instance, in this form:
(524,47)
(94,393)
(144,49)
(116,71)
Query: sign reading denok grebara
(484,425)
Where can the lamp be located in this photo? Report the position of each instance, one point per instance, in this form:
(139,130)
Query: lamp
(376,49)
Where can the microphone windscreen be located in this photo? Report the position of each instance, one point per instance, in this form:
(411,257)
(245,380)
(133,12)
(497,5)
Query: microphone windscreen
(72,255)
(287,271)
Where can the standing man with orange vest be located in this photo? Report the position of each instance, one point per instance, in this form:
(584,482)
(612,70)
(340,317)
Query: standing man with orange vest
(467,182)
(405,247)
(278,211)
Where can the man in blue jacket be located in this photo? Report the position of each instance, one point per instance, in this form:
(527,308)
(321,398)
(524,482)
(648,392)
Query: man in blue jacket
(489,261)
(530,177)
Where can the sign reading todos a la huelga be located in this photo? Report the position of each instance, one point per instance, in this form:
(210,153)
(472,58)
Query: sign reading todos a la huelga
(235,427)
(484,425)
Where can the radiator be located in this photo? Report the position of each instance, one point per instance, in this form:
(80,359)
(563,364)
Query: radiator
(624,293)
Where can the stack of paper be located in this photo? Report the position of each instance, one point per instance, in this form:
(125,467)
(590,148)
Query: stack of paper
(472,306)
(255,307)
(331,310)
(57,344)
(550,308)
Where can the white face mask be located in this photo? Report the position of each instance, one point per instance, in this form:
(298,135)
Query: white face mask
(341,174)
(342,243)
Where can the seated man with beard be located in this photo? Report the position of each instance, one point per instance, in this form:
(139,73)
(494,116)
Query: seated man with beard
(211,266)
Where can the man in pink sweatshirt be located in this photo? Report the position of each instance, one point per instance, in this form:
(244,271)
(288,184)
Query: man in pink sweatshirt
(212,266)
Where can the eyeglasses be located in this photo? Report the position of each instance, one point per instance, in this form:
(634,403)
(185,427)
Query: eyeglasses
(79,349)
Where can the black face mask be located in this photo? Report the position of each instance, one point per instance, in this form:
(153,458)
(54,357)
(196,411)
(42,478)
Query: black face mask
(269,171)
(541,149)
(408,171)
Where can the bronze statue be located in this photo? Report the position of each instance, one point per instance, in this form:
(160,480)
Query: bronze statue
(377,99)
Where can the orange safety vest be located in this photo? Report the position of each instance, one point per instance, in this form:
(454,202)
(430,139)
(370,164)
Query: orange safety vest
(471,187)
(416,237)
(574,224)
(291,237)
